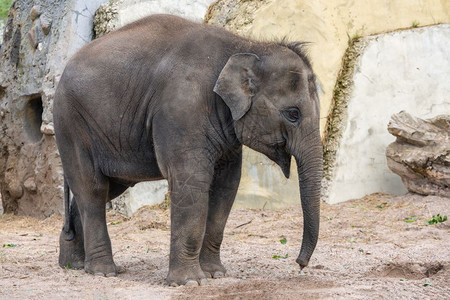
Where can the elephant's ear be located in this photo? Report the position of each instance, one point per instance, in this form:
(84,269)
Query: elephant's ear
(236,84)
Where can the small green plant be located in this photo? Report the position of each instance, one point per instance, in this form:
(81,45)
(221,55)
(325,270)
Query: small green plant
(329,218)
(410,219)
(283,241)
(9,245)
(427,284)
(436,219)
(382,205)
(165,205)
(356,36)
(69,266)
(115,223)
(280,256)
(415,24)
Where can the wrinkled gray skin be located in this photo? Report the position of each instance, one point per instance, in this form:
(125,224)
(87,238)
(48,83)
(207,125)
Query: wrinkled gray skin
(167,98)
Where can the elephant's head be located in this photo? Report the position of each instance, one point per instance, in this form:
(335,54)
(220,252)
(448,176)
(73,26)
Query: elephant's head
(274,103)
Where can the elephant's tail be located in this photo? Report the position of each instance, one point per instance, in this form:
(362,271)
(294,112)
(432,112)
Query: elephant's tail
(67,223)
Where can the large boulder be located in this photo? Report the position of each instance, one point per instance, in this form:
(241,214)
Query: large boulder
(421,153)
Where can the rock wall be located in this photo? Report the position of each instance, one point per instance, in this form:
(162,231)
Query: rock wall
(39,37)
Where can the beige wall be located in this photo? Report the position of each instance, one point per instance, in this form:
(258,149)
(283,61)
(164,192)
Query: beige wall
(328,24)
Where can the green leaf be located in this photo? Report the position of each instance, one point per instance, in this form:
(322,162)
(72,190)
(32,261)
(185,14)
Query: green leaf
(436,219)
(382,205)
(427,284)
(283,241)
(9,245)
(410,219)
(280,256)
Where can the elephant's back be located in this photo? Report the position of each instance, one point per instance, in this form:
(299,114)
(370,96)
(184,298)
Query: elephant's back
(119,81)
(152,47)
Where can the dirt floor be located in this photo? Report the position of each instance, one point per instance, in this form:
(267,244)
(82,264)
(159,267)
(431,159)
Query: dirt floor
(378,247)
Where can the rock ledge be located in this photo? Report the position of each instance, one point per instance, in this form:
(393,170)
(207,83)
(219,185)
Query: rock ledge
(421,153)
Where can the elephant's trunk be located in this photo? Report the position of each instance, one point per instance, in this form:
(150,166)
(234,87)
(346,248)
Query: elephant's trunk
(310,165)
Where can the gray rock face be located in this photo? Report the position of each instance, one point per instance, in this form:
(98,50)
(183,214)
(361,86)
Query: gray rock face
(40,36)
(421,153)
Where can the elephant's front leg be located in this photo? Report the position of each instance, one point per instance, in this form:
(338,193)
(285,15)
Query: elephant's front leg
(189,193)
(222,195)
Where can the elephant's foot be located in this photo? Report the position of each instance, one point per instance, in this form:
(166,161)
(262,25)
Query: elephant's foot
(211,264)
(71,250)
(213,270)
(101,267)
(192,275)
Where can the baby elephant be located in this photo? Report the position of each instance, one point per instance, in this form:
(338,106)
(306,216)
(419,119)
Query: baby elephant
(164,97)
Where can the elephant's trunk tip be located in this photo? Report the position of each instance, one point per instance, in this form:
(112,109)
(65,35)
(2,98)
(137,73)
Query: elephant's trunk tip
(302,262)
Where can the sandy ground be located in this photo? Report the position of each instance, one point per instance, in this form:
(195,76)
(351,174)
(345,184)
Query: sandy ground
(366,250)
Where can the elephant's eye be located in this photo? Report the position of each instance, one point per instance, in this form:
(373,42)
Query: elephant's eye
(292,114)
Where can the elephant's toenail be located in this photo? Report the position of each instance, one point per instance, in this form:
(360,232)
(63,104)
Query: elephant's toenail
(191,283)
(218,274)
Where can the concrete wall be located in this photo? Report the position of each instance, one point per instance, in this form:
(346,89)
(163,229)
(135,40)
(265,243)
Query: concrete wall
(404,70)
(329,26)
(117,13)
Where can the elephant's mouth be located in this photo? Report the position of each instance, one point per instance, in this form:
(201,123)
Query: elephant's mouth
(275,152)
(284,161)
(282,158)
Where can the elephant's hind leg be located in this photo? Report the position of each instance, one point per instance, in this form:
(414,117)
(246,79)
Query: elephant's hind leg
(71,241)
(97,244)
(91,191)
